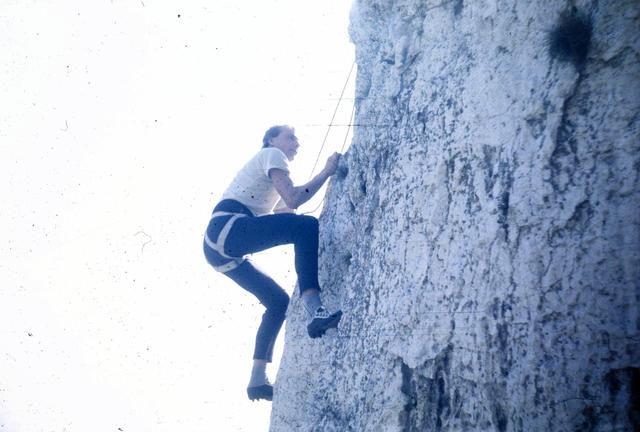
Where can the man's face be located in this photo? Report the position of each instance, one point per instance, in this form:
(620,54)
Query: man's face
(287,142)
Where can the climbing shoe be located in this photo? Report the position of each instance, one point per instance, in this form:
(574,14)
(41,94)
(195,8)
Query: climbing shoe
(321,321)
(264,391)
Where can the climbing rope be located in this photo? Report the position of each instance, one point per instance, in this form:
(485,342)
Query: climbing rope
(344,143)
(331,122)
(353,111)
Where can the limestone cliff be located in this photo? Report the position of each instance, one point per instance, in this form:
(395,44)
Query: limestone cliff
(483,234)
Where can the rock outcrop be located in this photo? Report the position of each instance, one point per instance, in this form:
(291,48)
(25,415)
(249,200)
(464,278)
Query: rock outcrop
(483,233)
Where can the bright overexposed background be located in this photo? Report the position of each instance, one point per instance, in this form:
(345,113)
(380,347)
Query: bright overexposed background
(121,123)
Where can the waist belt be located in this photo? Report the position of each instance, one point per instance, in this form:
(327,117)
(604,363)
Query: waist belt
(218,245)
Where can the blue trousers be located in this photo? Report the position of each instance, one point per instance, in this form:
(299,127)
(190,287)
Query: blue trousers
(254,234)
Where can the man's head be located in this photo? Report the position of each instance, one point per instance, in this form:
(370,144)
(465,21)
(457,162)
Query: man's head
(283,138)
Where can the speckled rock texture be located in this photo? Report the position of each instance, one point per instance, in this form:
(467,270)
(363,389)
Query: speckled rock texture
(482,235)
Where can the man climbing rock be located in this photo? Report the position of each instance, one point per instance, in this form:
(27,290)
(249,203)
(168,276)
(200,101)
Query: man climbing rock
(242,223)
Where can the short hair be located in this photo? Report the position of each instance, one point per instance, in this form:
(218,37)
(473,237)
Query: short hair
(272,132)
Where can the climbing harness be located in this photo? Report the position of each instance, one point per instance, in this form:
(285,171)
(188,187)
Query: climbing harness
(218,245)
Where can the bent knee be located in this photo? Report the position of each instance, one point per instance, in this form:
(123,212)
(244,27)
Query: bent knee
(309,223)
(278,304)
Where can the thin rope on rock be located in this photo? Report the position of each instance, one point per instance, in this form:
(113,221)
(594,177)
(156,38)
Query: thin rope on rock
(332,118)
(353,109)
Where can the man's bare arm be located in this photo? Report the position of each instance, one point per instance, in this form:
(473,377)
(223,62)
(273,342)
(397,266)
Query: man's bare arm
(295,196)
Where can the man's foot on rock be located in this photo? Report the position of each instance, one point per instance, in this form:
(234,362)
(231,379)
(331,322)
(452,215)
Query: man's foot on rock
(264,391)
(322,321)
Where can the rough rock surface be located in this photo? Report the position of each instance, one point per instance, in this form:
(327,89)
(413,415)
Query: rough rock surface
(483,234)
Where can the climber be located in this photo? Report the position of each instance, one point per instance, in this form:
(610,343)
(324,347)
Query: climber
(241,224)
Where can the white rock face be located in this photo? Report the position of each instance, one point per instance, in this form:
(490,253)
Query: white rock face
(483,236)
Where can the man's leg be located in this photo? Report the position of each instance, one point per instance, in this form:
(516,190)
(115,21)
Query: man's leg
(255,234)
(272,296)
(276,300)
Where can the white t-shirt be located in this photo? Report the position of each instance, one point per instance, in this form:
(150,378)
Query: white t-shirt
(252,185)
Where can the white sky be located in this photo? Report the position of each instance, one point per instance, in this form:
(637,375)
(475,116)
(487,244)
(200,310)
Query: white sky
(121,123)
